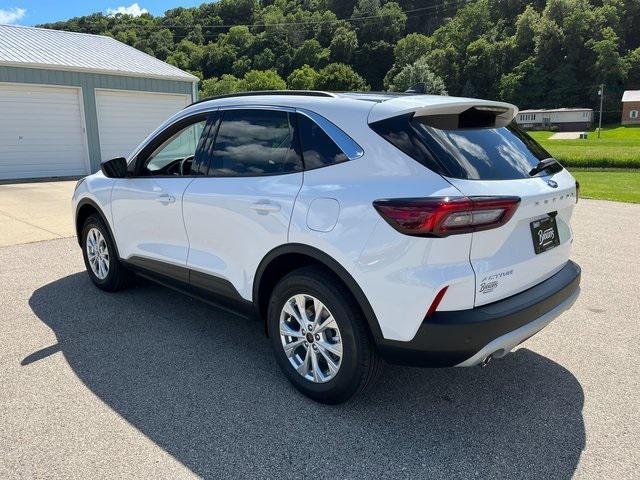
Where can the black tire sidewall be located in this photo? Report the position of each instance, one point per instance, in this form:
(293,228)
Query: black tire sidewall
(352,369)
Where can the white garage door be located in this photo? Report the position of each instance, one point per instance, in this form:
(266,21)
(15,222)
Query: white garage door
(125,118)
(41,132)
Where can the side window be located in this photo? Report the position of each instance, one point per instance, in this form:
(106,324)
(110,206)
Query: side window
(175,155)
(633,114)
(254,142)
(318,149)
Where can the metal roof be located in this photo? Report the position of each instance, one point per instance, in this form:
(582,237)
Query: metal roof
(631,96)
(556,110)
(80,52)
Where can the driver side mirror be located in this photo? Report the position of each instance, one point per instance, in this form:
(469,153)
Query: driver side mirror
(115,168)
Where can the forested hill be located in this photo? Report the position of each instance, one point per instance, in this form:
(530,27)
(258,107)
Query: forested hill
(536,53)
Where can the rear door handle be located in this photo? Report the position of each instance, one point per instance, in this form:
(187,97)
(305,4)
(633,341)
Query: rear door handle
(165,198)
(265,207)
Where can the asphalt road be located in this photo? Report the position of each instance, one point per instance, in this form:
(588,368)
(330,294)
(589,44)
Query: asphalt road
(149,383)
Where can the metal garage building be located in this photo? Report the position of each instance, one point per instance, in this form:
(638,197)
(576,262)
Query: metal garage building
(69,100)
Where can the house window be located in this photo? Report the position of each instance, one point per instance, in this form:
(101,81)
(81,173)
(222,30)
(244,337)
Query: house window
(633,114)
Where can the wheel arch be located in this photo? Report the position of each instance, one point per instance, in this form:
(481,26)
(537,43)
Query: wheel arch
(85,208)
(286,258)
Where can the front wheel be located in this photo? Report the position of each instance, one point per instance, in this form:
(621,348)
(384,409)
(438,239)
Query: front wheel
(99,252)
(320,337)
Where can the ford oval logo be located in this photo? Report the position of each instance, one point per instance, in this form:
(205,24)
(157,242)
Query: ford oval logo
(552,184)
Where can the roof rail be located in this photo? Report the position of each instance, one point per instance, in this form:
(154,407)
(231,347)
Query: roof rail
(307,93)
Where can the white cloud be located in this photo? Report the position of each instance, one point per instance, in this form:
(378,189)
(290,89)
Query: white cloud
(11,15)
(134,10)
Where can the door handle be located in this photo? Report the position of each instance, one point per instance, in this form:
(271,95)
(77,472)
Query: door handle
(265,207)
(165,198)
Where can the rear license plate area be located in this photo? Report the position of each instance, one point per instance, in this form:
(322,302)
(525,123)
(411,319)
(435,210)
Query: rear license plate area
(544,233)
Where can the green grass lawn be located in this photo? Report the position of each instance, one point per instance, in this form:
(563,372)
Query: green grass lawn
(618,147)
(622,185)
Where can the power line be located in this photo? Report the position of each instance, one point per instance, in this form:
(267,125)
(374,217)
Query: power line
(444,8)
(420,11)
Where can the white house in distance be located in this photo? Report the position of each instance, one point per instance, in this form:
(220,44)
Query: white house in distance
(565,119)
(70,100)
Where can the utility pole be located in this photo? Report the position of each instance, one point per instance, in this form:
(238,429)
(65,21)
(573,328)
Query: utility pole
(601,93)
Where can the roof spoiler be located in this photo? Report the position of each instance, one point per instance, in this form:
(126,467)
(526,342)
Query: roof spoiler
(445,110)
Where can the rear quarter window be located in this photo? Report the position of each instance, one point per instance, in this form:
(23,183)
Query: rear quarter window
(503,153)
(318,149)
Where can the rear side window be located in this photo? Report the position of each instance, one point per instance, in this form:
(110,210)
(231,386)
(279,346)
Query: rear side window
(318,149)
(503,153)
(254,142)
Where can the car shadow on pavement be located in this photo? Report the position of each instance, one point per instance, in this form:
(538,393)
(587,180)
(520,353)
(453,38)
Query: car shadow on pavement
(202,384)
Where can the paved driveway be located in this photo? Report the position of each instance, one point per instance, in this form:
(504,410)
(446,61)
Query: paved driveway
(32,212)
(149,383)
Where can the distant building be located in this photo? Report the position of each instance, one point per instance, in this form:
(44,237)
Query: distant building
(564,119)
(630,107)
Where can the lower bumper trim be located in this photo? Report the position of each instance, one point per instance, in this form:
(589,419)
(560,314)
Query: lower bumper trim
(460,338)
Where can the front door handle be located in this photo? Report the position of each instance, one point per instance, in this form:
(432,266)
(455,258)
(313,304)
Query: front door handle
(265,207)
(165,198)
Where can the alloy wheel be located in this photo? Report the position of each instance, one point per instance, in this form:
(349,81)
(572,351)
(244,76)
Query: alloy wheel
(98,253)
(311,338)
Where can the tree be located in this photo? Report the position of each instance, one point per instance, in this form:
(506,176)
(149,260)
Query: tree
(264,60)
(161,43)
(303,78)
(372,60)
(340,77)
(411,48)
(388,22)
(218,58)
(240,37)
(609,66)
(310,53)
(535,53)
(483,66)
(550,44)
(418,72)
(241,66)
(526,31)
(343,45)
(445,63)
(187,56)
(212,87)
(262,80)
(633,67)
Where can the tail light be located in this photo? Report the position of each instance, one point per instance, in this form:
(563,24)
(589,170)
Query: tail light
(444,216)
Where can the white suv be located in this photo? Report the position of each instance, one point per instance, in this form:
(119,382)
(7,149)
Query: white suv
(422,230)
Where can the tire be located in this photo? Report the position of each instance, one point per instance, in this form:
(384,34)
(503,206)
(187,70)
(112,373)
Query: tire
(359,363)
(117,275)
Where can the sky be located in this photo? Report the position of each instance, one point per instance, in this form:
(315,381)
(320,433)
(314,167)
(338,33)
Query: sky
(33,12)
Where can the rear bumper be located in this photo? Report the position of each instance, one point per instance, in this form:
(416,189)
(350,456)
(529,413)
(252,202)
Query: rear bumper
(466,337)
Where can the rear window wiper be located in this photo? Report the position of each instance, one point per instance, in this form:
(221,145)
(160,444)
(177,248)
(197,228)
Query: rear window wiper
(543,165)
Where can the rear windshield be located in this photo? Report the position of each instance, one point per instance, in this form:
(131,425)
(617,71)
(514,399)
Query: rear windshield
(503,153)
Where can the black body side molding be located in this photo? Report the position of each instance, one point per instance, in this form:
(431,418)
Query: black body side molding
(208,288)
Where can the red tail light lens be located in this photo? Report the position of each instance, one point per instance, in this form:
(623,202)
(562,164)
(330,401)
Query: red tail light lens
(444,216)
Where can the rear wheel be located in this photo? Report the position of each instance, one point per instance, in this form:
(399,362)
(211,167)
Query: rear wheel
(99,252)
(320,337)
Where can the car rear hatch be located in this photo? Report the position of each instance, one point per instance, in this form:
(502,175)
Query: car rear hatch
(533,245)
(476,148)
